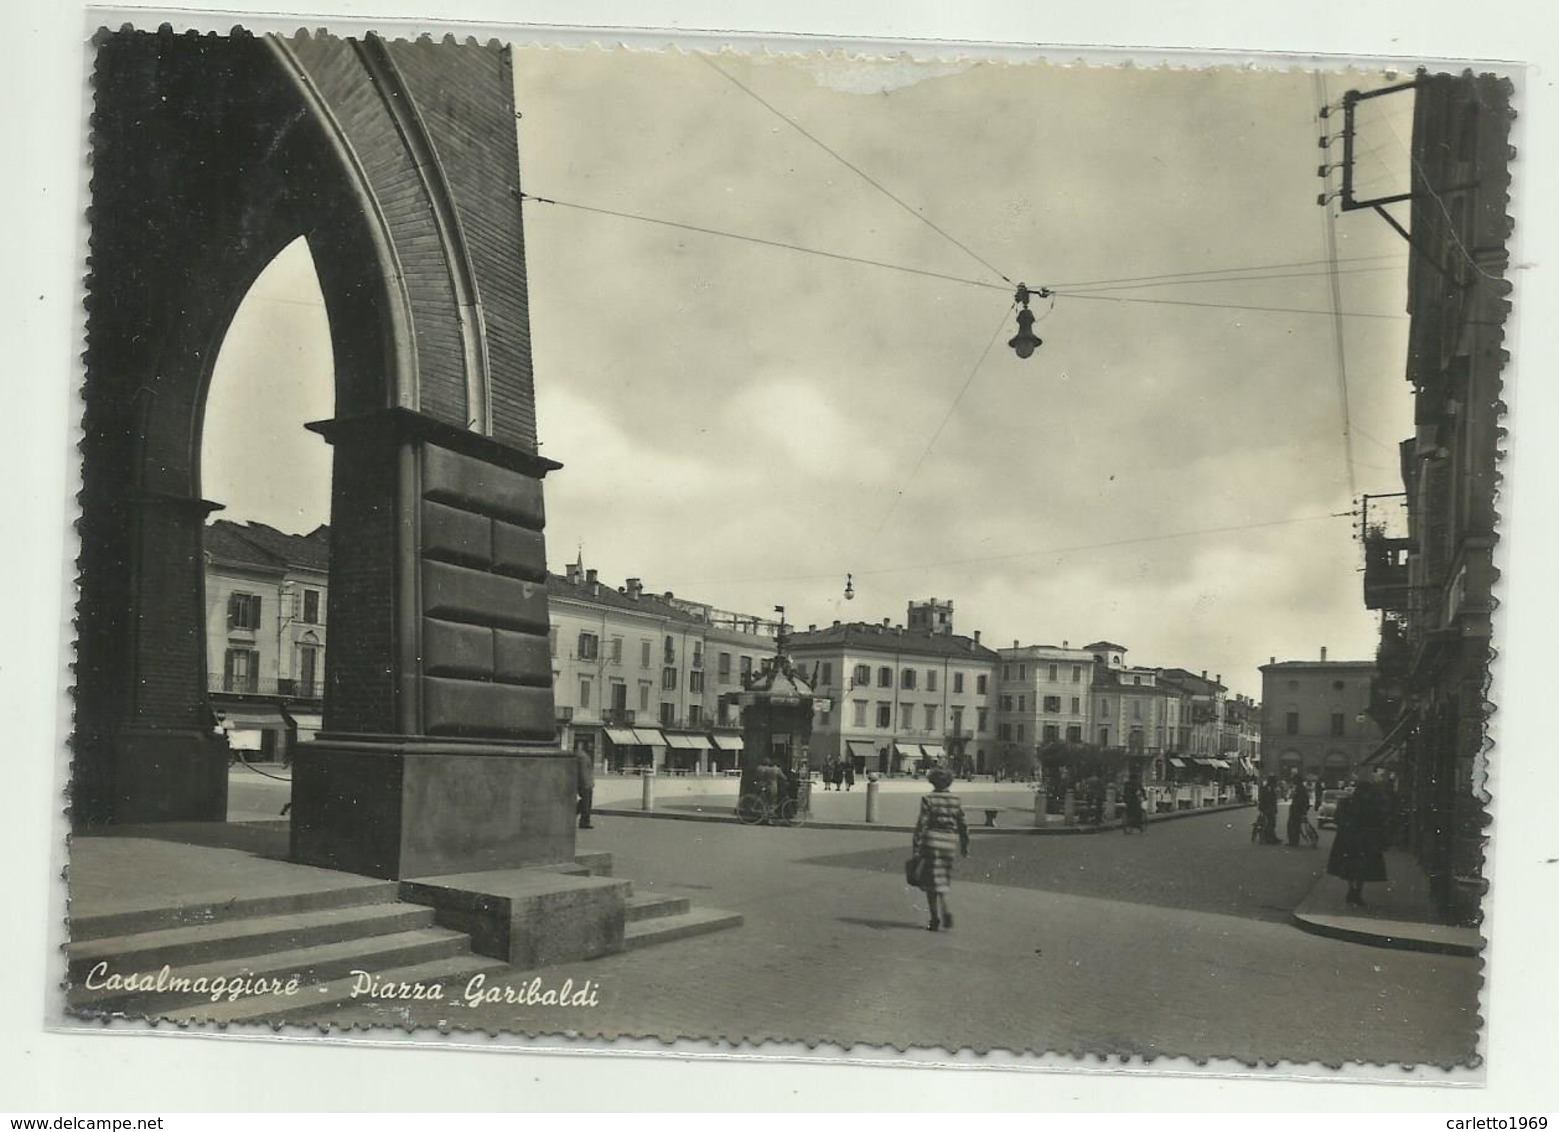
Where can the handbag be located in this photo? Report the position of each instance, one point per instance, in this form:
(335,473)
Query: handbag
(914,871)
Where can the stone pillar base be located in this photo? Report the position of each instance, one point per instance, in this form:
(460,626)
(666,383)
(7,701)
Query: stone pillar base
(168,774)
(406,807)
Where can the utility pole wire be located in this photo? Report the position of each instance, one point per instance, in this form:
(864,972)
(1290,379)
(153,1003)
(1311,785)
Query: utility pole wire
(1058,550)
(764,242)
(771,108)
(947,416)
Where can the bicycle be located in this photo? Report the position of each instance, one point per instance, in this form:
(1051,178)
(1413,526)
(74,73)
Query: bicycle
(755,809)
(1309,836)
(1261,831)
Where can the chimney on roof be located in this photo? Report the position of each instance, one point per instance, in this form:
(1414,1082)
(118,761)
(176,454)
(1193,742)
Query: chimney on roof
(590,577)
(1323,654)
(635,588)
(1204,674)
(1066,644)
(836,624)
(886,621)
(668,595)
(1014,644)
(1272,660)
(1218,679)
(572,573)
(811,628)
(977,636)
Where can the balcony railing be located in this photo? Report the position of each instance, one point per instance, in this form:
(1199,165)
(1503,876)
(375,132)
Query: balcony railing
(618,717)
(254,686)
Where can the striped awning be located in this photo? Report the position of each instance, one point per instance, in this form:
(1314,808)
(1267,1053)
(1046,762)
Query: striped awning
(933,751)
(622,736)
(1177,762)
(728,742)
(649,737)
(687,742)
(861,749)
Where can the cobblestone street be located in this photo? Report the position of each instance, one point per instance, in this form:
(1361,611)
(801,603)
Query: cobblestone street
(1175,943)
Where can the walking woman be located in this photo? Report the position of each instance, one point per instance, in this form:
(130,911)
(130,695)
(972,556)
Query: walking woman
(939,831)
(1358,850)
(1135,820)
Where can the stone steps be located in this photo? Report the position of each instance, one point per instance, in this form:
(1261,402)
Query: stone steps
(664,929)
(231,939)
(651,907)
(190,915)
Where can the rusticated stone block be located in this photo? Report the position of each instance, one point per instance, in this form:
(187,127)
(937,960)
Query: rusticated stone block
(452,649)
(457,593)
(476,485)
(519,552)
(479,708)
(521,658)
(452,535)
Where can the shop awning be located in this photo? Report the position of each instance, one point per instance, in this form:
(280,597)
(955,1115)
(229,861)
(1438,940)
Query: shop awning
(250,717)
(308,723)
(861,749)
(728,742)
(1221,764)
(687,742)
(622,736)
(649,737)
(1177,762)
(1385,753)
(933,751)
(907,750)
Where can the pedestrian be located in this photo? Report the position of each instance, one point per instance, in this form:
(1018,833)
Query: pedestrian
(1267,810)
(829,769)
(586,763)
(1358,855)
(848,771)
(1134,815)
(1298,810)
(938,831)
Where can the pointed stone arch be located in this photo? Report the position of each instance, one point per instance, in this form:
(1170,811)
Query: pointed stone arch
(398,163)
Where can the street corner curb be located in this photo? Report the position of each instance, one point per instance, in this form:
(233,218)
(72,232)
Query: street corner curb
(1433,939)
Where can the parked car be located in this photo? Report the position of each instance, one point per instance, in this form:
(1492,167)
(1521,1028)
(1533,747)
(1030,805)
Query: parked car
(1326,812)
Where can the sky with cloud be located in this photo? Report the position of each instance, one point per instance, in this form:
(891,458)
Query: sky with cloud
(744,424)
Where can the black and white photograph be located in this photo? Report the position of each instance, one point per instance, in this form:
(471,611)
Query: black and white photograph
(949,551)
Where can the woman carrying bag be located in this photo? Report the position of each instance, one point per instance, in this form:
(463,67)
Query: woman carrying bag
(940,831)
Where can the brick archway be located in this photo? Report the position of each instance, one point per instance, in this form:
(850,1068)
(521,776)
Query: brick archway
(398,163)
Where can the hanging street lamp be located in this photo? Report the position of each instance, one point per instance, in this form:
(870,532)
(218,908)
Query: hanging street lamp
(1025,341)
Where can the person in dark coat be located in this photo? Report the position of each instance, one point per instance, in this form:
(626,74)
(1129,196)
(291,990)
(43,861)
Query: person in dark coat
(1134,796)
(586,763)
(1358,855)
(847,772)
(1267,810)
(1298,810)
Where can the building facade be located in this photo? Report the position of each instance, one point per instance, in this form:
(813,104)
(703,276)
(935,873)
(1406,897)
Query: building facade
(1315,720)
(265,612)
(896,699)
(638,677)
(1431,574)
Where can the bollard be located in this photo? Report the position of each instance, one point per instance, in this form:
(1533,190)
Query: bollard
(1069,809)
(871,800)
(648,802)
(1112,799)
(1039,807)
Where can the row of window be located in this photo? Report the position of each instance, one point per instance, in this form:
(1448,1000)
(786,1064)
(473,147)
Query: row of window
(243,610)
(1339,724)
(1051,705)
(618,691)
(589,648)
(241,671)
(1052,672)
(908,720)
(909,678)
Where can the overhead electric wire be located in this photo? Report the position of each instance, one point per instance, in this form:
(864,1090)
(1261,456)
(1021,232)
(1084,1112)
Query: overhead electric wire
(762,241)
(947,416)
(857,170)
(1221,306)
(1233,279)
(1225,270)
(1044,551)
